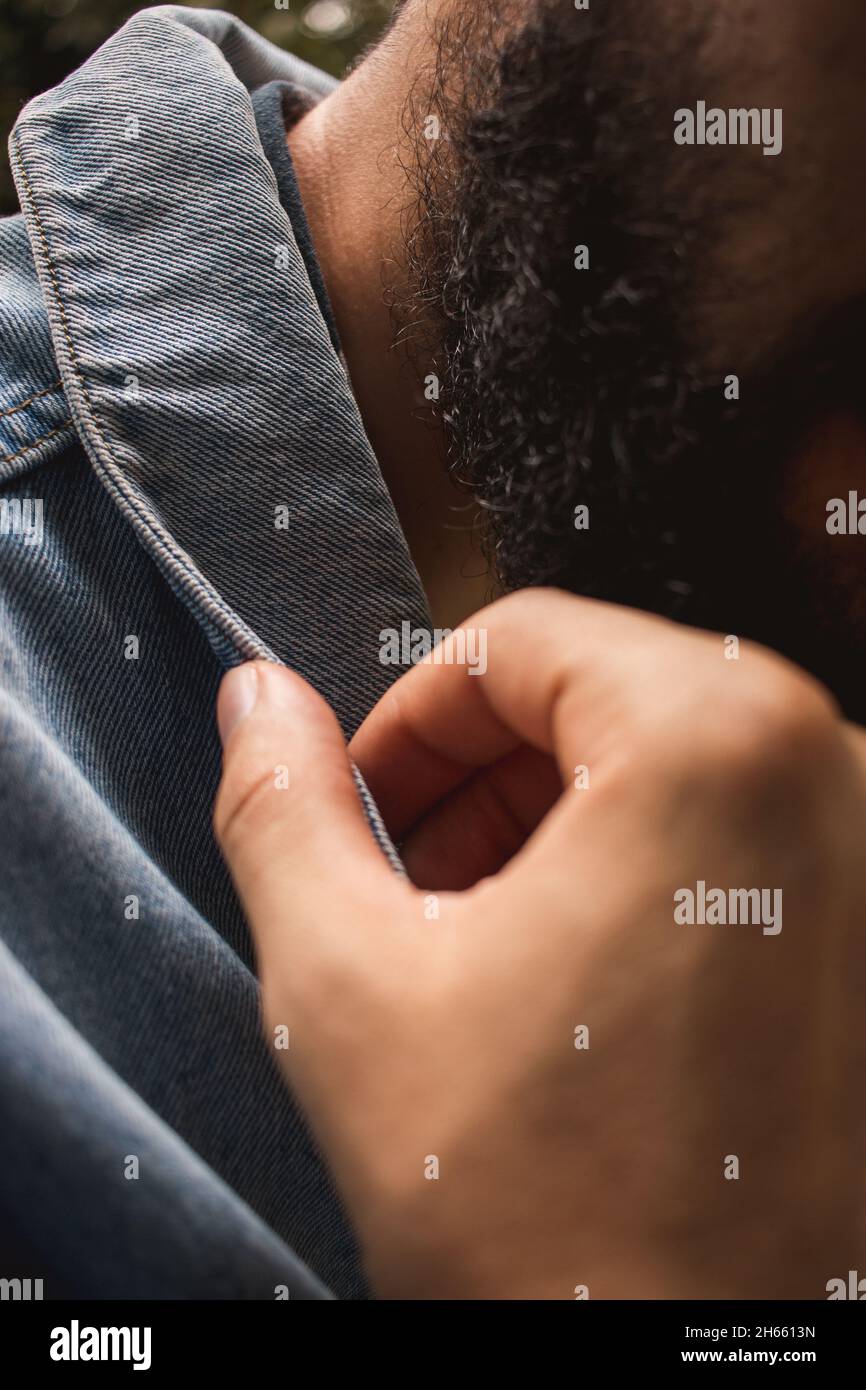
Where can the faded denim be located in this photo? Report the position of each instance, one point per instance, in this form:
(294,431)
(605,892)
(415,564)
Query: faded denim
(167,380)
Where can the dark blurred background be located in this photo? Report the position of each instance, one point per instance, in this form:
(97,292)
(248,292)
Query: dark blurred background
(42,40)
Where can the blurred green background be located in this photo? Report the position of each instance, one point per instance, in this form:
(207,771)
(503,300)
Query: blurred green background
(42,40)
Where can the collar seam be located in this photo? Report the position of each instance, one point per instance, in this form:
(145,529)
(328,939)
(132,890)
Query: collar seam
(179,567)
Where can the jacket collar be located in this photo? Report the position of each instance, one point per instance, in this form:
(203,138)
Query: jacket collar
(195,361)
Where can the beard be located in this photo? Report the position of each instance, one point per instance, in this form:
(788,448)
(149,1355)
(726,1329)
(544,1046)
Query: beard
(566,388)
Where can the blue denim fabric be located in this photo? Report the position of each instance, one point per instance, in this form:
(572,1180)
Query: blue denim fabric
(166,380)
(277,107)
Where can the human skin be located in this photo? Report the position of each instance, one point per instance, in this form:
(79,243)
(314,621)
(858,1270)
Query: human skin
(415,1036)
(736,278)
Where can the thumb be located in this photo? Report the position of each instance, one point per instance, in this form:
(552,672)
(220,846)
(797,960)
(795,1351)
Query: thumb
(288,817)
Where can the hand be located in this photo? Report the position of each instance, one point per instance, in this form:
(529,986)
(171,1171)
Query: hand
(709,1139)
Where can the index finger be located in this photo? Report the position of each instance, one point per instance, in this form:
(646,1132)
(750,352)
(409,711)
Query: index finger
(556,671)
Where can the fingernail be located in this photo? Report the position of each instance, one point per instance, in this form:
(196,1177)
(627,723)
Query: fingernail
(237,698)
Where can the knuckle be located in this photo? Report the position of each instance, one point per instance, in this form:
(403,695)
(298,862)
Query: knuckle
(781,728)
(529,605)
(773,739)
(787,713)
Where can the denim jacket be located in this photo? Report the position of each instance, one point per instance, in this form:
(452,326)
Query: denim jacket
(185,482)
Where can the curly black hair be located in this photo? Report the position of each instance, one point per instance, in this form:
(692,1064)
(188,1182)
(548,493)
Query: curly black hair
(599,387)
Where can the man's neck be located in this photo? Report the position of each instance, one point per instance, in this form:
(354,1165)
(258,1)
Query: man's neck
(354,188)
